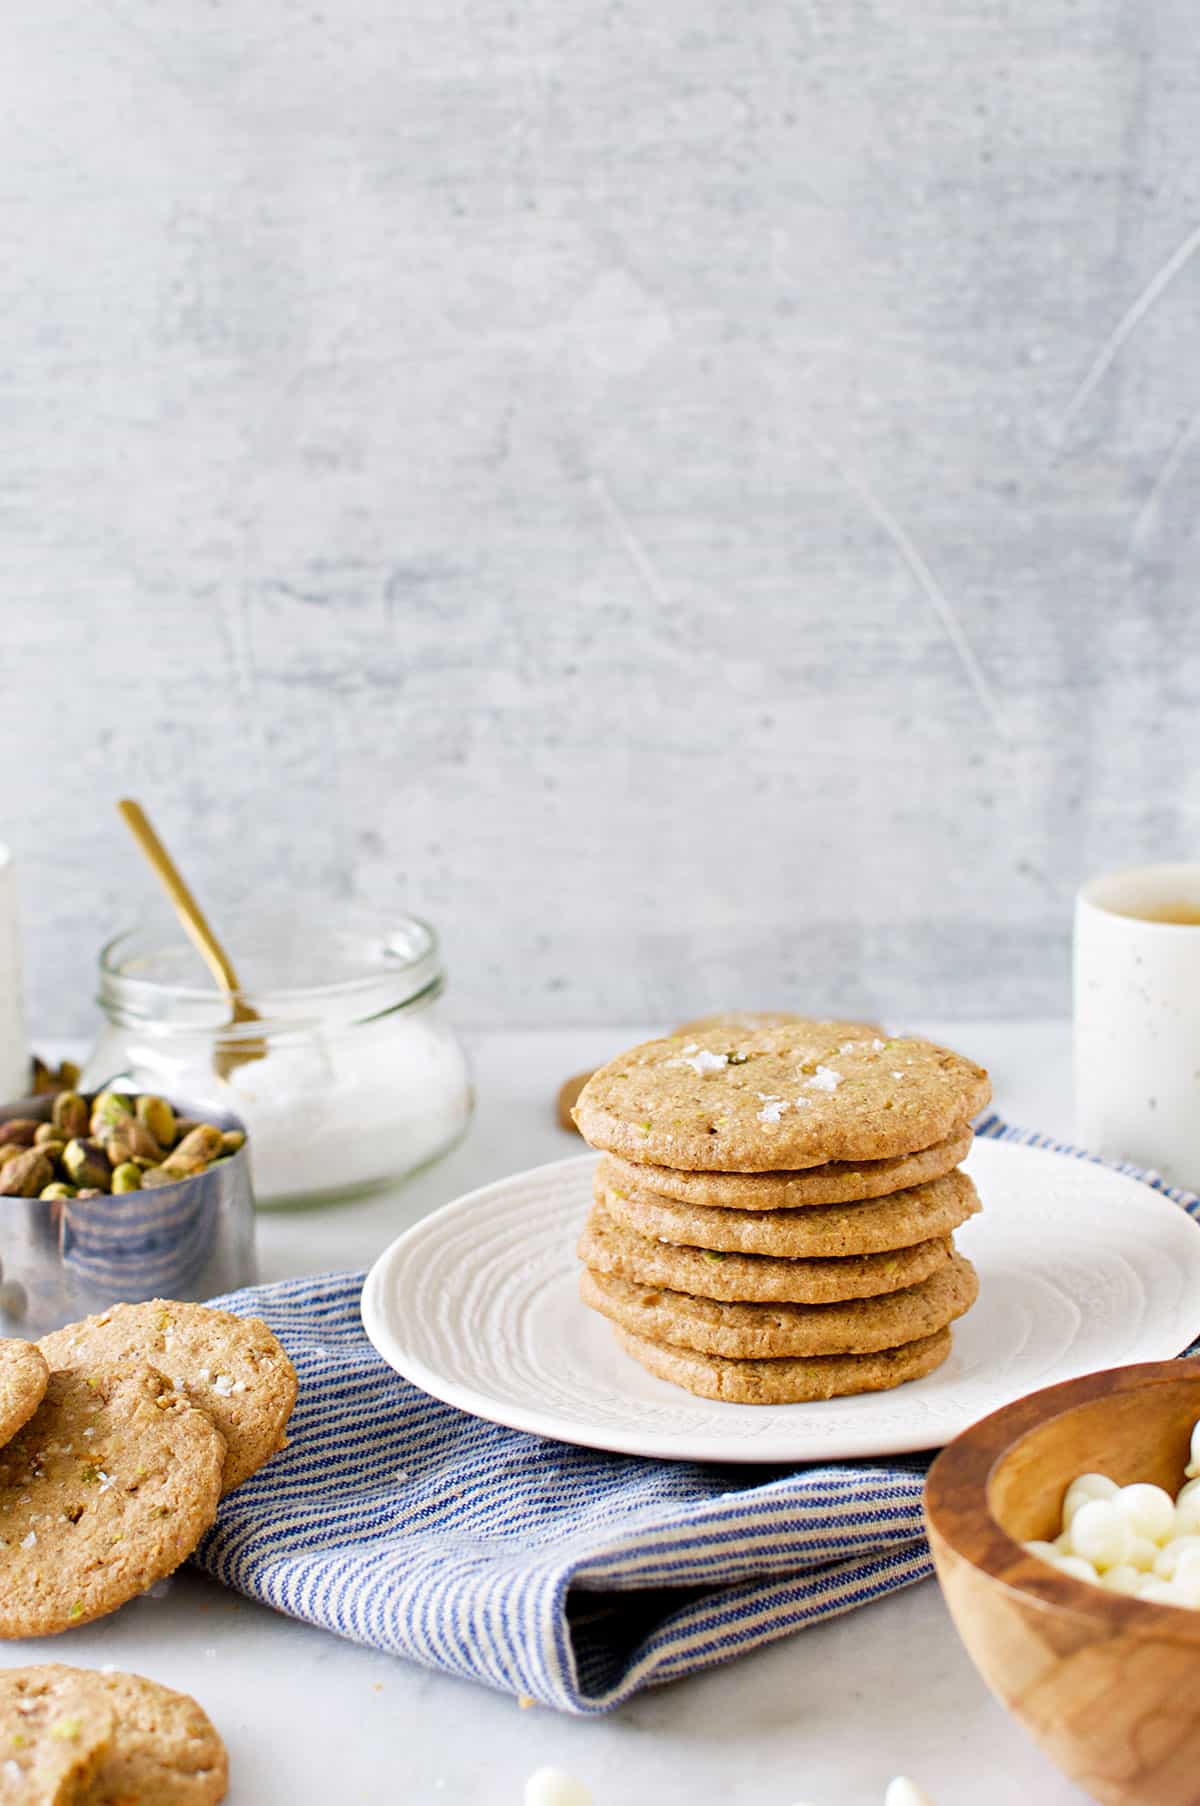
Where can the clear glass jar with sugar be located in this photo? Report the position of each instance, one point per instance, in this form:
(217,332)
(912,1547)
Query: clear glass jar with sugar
(347,1076)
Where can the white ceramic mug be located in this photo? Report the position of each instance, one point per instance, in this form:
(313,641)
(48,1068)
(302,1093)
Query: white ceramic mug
(1137,1018)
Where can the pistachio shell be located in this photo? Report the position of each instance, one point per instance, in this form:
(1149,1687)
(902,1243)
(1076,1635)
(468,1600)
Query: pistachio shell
(57,1190)
(87,1164)
(108,1107)
(20,1129)
(127,1177)
(70,1114)
(156,1114)
(25,1176)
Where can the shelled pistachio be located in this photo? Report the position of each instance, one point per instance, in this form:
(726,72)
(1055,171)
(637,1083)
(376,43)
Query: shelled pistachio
(114,1142)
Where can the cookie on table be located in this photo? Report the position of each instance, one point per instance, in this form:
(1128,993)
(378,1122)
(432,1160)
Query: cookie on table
(777,1099)
(787,1382)
(106,1489)
(898,1221)
(54,1731)
(164,1750)
(606,1247)
(232,1367)
(774,1331)
(837,1182)
(23,1376)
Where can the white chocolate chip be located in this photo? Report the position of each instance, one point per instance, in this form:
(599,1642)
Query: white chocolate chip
(554,1787)
(1100,1534)
(1148,1510)
(903,1792)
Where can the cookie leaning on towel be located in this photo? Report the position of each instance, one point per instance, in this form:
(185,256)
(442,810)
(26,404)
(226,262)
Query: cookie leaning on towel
(111,1475)
(757,1179)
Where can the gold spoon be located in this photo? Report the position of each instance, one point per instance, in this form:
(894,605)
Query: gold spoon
(225,1058)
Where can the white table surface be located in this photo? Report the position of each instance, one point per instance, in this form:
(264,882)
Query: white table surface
(826,1717)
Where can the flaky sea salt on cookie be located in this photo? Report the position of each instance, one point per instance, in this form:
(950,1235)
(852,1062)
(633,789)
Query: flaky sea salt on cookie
(54,1730)
(753,1278)
(106,1489)
(787,1382)
(232,1367)
(775,1331)
(23,1377)
(837,1182)
(777,1099)
(898,1221)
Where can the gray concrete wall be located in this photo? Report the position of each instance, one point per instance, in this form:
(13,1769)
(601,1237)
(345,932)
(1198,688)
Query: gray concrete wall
(699,499)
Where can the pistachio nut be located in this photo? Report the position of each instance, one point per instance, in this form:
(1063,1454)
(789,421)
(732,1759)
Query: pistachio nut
(9,1150)
(179,1166)
(21,1129)
(156,1114)
(131,1140)
(108,1107)
(46,1131)
(57,1190)
(184,1126)
(51,1149)
(127,1177)
(202,1143)
(155,1176)
(87,1164)
(25,1176)
(70,1114)
(42,1079)
(233,1141)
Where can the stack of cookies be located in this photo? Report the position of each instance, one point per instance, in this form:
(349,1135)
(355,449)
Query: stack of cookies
(774,1213)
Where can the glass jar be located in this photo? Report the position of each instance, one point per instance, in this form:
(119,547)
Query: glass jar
(347,1076)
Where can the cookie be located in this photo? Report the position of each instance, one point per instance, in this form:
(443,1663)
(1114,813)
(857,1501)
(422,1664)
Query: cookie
(54,1731)
(900,1221)
(777,1099)
(787,1382)
(746,1019)
(23,1376)
(107,1488)
(164,1750)
(837,1182)
(739,1020)
(232,1367)
(752,1278)
(772,1331)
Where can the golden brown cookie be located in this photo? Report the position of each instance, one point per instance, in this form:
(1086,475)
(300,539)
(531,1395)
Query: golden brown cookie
(777,1099)
(54,1730)
(746,1019)
(773,1331)
(899,1221)
(787,1382)
(164,1750)
(232,1367)
(107,1488)
(23,1376)
(753,1278)
(837,1182)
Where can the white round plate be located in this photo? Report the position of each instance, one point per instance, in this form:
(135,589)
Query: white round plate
(1080,1268)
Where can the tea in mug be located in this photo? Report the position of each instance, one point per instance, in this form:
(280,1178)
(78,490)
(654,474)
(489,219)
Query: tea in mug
(1179,915)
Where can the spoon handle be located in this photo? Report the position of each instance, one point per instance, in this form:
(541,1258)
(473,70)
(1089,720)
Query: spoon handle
(185,905)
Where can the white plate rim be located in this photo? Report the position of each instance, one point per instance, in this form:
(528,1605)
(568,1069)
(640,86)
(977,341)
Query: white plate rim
(511,1414)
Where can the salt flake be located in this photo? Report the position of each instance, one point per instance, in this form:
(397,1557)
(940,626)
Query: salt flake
(30,1541)
(772,1110)
(824,1079)
(707,1062)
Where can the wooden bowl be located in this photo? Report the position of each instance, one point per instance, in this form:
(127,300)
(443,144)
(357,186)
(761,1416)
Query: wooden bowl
(1108,1686)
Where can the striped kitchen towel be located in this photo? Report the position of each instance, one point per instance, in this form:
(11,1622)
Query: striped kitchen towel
(557,1573)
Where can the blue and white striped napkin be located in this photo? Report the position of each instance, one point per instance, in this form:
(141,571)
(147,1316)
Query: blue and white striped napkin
(556,1573)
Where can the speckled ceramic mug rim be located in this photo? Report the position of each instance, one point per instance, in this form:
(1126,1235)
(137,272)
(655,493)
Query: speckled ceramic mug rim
(1114,895)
